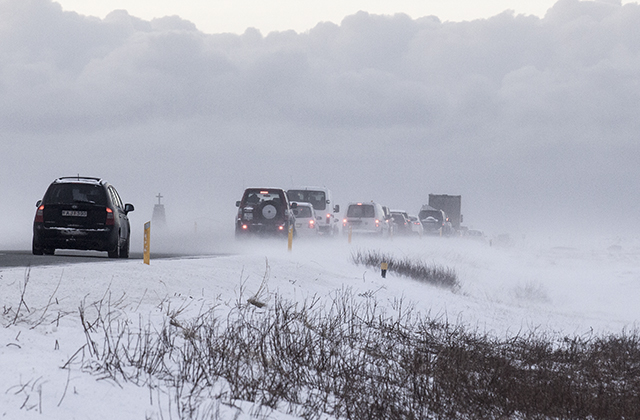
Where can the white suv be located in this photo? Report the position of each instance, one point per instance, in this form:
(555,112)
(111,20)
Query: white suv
(366,218)
(321,200)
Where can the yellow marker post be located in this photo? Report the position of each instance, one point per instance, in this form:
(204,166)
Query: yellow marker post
(290,244)
(147,243)
(383,269)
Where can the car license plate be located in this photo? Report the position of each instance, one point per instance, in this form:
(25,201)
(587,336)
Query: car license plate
(74,213)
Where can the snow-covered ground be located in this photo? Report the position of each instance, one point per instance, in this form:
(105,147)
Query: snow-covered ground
(570,289)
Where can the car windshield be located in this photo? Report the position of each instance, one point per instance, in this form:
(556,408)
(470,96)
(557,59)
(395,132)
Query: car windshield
(76,193)
(434,214)
(257,196)
(318,199)
(302,211)
(361,210)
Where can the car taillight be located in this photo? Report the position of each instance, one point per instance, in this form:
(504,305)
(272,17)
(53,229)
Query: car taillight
(377,223)
(110,217)
(245,227)
(344,222)
(328,218)
(312,223)
(40,214)
(280,227)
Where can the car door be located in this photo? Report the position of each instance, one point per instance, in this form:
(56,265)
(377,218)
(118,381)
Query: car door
(123,219)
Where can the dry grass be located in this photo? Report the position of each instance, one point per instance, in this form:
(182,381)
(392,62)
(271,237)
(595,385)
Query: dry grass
(346,358)
(353,360)
(431,274)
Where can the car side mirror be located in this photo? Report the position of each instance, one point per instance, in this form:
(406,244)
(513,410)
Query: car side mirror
(38,203)
(237,204)
(294,205)
(128,207)
(336,208)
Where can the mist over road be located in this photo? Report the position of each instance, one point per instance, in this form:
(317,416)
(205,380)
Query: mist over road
(27,259)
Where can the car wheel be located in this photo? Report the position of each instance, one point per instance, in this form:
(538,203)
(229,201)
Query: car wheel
(35,249)
(115,253)
(124,251)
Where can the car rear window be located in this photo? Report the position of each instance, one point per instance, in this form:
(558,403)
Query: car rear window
(430,213)
(361,210)
(257,196)
(302,211)
(318,199)
(76,193)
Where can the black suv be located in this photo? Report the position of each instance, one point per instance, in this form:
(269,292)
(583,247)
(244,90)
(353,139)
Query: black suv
(264,211)
(82,213)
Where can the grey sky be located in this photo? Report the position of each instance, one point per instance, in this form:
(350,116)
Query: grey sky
(534,121)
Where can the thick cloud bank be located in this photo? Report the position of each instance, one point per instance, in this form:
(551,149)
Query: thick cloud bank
(533,121)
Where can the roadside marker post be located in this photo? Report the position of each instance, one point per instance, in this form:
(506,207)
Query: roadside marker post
(383,269)
(147,243)
(290,241)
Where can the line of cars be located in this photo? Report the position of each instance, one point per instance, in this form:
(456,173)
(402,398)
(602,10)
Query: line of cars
(88,214)
(307,211)
(375,219)
(310,211)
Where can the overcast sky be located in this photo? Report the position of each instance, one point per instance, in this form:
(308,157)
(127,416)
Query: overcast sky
(533,120)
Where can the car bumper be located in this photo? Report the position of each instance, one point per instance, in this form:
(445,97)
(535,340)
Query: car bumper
(105,239)
(362,231)
(245,228)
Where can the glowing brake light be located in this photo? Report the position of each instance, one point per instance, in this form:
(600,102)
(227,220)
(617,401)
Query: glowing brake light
(377,223)
(110,217)
(280,227)
(312,223)
(344,222)
(40,214)
(245,227)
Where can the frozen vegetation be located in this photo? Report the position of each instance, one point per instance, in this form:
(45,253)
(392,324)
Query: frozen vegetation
(525,331)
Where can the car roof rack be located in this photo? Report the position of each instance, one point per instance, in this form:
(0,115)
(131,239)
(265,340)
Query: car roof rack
(79,178)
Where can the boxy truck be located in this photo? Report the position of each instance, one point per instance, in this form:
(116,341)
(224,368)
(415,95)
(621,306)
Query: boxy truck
(322,202)
(451,205)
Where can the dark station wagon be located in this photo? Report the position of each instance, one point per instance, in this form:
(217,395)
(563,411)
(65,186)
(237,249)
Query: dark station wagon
(82,213)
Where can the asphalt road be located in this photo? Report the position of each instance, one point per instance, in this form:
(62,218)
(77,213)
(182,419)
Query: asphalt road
(27,259)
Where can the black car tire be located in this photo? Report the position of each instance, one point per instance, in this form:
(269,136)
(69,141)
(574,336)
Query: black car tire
(35,249)
(269,210)
(115,253)
(124,251)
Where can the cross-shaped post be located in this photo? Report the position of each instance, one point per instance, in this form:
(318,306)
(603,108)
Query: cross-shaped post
(159,197)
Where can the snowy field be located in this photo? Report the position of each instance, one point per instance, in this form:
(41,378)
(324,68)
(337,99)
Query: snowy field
(556,288)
